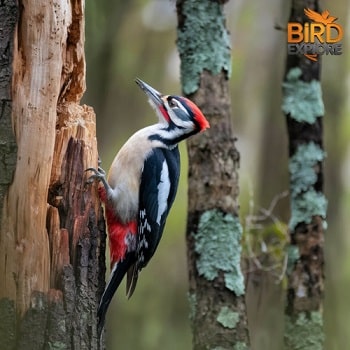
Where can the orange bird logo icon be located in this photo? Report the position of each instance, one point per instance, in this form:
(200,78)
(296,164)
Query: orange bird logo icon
(317,35)
(323,17)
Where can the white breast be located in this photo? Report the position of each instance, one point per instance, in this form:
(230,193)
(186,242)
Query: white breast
(125,173)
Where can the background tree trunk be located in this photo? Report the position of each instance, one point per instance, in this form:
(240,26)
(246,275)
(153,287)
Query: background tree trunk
(303,106)
(213,229)
(52,237)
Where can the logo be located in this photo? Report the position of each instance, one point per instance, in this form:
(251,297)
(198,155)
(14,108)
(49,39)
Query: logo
(322,36)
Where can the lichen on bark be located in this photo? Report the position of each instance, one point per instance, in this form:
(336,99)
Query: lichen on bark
(306,202)
(227,317)
(204,48)
(302,100)
(302,167)
(304,109)
(207,20)
(218,244)
(304,331)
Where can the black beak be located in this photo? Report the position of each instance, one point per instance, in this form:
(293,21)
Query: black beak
(153,94)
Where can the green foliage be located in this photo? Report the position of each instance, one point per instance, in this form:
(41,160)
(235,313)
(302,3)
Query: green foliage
(302,100)
(304,332)
(265,244)
(218,244)
(275,238)
(227,317)
(203,42)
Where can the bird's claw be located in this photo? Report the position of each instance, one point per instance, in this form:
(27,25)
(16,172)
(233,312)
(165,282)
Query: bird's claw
(99,175)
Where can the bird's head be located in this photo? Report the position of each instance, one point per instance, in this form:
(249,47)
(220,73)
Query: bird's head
(176,111)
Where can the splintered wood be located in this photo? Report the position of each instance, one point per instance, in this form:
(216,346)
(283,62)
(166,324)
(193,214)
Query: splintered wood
(47,208)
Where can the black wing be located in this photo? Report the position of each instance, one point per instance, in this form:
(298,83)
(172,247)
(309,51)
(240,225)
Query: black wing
(159,182)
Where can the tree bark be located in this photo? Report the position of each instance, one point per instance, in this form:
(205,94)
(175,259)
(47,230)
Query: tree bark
(216,291)
(52,237)
(303,107)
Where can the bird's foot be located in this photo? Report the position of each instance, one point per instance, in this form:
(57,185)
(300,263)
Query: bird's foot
(98,175)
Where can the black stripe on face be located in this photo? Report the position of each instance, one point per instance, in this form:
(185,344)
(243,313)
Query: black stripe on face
(172,141)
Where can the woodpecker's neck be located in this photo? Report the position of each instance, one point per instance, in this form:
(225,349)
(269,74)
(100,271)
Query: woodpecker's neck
(169,134)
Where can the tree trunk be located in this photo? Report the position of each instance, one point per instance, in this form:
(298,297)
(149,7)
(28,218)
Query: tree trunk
(216,292)
(52,237)
(303,106)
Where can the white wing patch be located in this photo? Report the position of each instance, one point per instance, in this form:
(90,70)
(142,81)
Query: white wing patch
(163,191)
(143,244)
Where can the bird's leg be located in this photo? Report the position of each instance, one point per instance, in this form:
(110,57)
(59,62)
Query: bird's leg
(99,175)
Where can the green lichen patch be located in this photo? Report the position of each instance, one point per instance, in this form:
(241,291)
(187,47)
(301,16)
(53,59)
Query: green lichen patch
(305,201)
(304,332)
(217,243)
(192,300)
(293,256)
(57,346)
(302,167)
(241,346)
(307,205)
(238,346)
(227,317)
(203,42)
(302,100)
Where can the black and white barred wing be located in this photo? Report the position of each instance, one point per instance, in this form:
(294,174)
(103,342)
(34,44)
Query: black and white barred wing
(159,181)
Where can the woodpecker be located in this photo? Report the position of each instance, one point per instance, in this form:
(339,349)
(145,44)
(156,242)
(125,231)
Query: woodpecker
(140,188)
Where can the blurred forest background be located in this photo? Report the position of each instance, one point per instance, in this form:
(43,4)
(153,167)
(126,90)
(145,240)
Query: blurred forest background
(137,38)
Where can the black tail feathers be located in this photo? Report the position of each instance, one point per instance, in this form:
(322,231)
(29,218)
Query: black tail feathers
(117,274)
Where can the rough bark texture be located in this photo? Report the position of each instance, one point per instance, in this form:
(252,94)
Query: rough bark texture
(304,325)
(52,237)
(8,150)
(8,147)
(216,291)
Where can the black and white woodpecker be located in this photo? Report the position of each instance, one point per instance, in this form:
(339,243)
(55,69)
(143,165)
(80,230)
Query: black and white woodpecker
(141,187)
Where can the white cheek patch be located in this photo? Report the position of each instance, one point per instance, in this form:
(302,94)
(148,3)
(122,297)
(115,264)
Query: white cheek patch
(163,191)
(183,108)
(186,124)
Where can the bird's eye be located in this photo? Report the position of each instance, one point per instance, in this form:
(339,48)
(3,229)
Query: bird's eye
(173,103)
